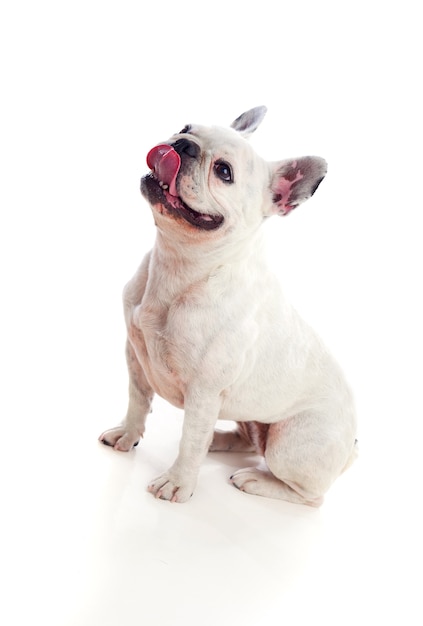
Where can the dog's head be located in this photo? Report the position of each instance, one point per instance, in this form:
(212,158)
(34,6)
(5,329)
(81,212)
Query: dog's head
(208,181)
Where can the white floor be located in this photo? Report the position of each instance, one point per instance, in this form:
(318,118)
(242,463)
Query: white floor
(85,544)
(90,87)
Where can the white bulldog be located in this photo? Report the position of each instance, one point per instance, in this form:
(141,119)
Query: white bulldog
(210,331)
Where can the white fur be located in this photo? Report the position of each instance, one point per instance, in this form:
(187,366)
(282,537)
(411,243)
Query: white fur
(210,331)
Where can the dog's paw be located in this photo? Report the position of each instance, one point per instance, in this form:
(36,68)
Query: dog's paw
(229,441)
(263,483)
(168,487)
(120,438)
(251,480)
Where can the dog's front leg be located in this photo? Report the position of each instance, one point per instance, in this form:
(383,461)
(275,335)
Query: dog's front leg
(127,435)
(178,483)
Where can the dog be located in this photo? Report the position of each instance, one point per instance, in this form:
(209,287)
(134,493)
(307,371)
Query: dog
(210,331)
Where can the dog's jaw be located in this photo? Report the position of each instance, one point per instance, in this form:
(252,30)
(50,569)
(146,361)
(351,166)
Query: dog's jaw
(157,194)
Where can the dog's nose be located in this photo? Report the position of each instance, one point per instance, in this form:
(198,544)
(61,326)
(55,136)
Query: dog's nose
(185,146)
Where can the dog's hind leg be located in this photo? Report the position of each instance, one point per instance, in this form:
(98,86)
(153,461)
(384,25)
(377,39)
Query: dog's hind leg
(303,456)
(260,481)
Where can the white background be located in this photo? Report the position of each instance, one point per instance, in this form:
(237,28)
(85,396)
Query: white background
(87,88)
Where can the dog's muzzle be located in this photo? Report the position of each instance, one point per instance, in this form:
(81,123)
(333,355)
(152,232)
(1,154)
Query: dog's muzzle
(160,186)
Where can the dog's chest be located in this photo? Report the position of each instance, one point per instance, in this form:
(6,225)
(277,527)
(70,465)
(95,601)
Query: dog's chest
(147,334)
(167,340)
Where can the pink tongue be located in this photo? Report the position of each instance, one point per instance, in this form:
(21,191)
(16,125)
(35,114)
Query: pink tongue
(165,162)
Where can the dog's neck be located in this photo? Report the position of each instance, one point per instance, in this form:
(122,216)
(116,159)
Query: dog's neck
(184,264)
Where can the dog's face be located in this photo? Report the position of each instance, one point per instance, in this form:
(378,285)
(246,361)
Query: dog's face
(206,182)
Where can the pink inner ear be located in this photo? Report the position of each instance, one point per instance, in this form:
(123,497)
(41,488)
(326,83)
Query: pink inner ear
(283,190)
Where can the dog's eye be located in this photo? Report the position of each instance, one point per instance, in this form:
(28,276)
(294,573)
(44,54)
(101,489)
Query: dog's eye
(185,129)
(223,171)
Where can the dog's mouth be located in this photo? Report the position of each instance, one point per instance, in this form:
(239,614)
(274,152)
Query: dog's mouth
(165,163)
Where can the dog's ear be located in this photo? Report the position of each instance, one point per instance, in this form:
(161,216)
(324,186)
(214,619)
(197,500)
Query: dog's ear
(249,121)
(293,181)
